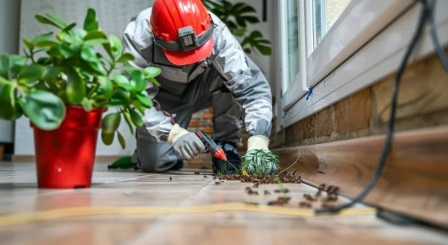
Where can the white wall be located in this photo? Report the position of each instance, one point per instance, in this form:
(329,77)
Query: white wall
(113,16)
(9,30)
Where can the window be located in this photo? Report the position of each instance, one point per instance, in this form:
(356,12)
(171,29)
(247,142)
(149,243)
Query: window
(343,46)
(293,50)
(318,16)
(325,14)
(292,42)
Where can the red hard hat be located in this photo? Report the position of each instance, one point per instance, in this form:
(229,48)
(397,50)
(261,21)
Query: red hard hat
(183,29)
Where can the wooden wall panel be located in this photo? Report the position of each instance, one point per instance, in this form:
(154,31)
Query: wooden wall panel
(414,180)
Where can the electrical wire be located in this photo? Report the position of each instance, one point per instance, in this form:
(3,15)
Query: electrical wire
(425,16)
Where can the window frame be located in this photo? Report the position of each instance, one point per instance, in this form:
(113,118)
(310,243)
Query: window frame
(335,71)
(296,88)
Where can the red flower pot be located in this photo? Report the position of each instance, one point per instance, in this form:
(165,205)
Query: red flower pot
(65,156)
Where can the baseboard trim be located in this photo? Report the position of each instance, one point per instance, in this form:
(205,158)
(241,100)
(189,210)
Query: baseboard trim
(414,180)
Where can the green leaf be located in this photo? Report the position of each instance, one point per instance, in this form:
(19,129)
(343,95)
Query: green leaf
(48,21)
(239,32)
(125,57)
(97,68)
(88,53)
(76,89)
(17,63)
(129,68)
(123,82)
(152,71)
(51,73)
(136,118)
(31,73)
(44,109)
(105,88)
(78,36)
(264,50)
(28,44)
(8,107)
(95,34)
(61,52)
(44,61)
(154,81)
(69,27)
(107,137)
(90,22)
(56,19)
(93,42)
(138,80)
(111,122)
(137,105)
(121,140)
(121,97)
(47,44)
(74,37)
(4,66)
(117,47)
(42,37)
(256,41)
(144,99)
(108,49)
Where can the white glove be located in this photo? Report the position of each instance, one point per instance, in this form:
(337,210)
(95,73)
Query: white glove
(259,160)
(185,143)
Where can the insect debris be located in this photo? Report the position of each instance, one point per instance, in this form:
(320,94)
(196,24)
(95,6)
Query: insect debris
(309,197)
(305,205)
(280,201)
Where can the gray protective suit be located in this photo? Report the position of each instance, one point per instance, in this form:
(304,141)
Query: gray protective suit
(227,80)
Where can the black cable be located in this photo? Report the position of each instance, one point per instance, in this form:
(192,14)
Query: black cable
(424,15)
(435,39)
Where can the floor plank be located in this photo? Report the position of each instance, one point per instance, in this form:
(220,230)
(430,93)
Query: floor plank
(186,190)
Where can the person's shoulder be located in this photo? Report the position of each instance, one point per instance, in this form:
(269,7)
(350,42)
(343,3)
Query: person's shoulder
(144,14)
(139,30)
(216,20)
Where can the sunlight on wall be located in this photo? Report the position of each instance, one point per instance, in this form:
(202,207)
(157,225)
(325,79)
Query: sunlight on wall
(334,9)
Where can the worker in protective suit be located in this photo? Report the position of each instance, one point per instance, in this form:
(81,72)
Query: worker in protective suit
(202,65)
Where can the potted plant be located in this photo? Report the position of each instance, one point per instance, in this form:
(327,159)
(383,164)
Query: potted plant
(63,84)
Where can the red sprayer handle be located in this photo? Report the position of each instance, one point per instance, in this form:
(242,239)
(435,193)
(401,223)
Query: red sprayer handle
(218,152)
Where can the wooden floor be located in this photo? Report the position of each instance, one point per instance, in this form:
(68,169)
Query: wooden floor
(137,208)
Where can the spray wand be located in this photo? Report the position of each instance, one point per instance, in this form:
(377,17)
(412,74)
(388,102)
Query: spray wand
(217,150)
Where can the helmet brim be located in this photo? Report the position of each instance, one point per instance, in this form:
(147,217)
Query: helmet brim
(189,57)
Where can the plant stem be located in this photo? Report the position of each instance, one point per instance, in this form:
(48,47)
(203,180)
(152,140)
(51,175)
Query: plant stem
(92,90)
(291,164)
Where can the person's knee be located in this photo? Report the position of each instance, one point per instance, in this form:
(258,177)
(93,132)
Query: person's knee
(155,159)
(148,164)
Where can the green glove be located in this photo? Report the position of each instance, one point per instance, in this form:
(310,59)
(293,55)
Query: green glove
(259,160)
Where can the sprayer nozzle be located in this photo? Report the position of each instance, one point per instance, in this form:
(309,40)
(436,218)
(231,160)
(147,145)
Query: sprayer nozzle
(220,154)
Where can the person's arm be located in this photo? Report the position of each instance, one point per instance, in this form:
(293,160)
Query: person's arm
(251,90)
(157,122)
